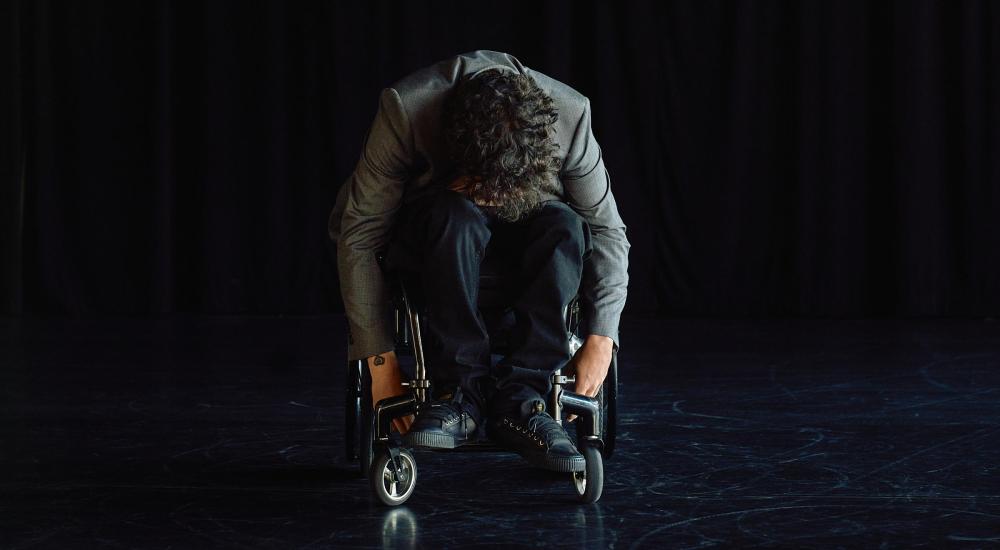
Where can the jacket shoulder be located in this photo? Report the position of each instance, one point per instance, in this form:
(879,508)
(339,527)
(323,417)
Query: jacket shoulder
(444,74)
(423,89)
(559,90)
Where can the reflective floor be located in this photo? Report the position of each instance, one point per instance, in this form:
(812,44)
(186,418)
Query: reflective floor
(195,433)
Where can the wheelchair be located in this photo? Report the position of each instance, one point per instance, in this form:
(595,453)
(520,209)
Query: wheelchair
(390,467)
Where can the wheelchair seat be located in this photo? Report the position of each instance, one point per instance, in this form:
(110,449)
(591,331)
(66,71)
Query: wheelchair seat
(497,292)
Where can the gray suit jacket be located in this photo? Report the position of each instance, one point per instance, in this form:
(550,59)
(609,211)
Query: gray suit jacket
(403,155)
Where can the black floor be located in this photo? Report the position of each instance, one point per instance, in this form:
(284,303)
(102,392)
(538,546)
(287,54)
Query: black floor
(195,433)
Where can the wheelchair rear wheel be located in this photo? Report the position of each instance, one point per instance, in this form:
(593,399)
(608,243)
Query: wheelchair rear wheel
(607,398)
(352,409)
(366,435)
(359,418)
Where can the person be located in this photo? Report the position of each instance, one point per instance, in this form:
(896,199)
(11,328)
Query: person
(477,155)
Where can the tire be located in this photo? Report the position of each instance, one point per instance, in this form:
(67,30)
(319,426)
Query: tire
(609,409)
(589,484)
(388,490)
(366,431)
(352,410)
(607,400)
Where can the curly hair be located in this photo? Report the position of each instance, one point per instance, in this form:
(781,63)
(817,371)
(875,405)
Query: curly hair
(499,133)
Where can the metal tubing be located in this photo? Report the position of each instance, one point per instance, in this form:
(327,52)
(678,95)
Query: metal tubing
(586,407)
(555,408)
(420,370)
(388,409)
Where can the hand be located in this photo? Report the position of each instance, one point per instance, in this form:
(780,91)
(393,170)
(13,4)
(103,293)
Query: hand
(387,381)
(460,184)
(591,364)
(463,184)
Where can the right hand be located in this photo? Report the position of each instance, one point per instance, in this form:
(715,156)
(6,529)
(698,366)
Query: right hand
(387,381)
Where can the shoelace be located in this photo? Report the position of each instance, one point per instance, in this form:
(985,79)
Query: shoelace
(544,426)
(456,397)
(453,408)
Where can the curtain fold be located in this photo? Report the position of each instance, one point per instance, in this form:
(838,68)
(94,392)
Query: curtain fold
(769,158)
(12,163)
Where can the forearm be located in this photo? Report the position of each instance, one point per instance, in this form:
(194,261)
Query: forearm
(373,196)
(379,364)
(600,341)
(366,303)
(604,287)
(587,183)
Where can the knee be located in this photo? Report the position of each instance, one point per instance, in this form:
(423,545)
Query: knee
(454,211)
(567,227)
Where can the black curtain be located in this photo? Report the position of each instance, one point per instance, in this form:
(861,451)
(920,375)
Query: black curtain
(770,158)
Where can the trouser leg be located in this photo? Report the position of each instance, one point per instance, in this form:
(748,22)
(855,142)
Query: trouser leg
(441,239)
(550,248)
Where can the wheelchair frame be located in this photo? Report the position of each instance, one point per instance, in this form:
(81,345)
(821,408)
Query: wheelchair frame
(391,468)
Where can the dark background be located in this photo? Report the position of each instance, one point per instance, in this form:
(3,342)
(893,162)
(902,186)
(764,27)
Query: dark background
(769,159)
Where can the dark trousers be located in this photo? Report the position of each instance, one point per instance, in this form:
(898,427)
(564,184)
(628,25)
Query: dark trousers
(441,239)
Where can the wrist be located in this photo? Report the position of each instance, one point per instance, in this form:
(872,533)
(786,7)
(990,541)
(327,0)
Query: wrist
(600,341)
(381,361)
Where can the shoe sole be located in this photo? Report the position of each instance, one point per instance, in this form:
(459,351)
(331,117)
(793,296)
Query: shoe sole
(566,464)
(575,464)
(432,441)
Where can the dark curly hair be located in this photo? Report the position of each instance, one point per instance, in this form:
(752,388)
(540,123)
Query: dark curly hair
(499,132)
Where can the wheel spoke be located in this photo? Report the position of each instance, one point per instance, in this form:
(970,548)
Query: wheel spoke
(394,486)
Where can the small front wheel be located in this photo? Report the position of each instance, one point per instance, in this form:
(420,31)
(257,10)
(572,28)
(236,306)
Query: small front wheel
(393,481)
(589,483)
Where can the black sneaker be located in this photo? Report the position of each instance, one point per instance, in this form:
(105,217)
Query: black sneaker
(446,423)
(539,439)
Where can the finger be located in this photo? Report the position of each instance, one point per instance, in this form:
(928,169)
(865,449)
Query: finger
(571,418)
(407,422)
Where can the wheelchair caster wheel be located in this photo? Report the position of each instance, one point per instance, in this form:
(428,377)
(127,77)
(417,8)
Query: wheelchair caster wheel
(393,480)
(589,483)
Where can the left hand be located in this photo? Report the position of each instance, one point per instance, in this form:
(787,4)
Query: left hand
(462,184)
(591,364)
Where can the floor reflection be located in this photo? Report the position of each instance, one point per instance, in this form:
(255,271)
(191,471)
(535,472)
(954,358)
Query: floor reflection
(400,528)
(582,527)
(588,527)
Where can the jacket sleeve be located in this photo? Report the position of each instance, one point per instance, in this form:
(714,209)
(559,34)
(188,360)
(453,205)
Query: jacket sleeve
(587,184)
(373,197)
